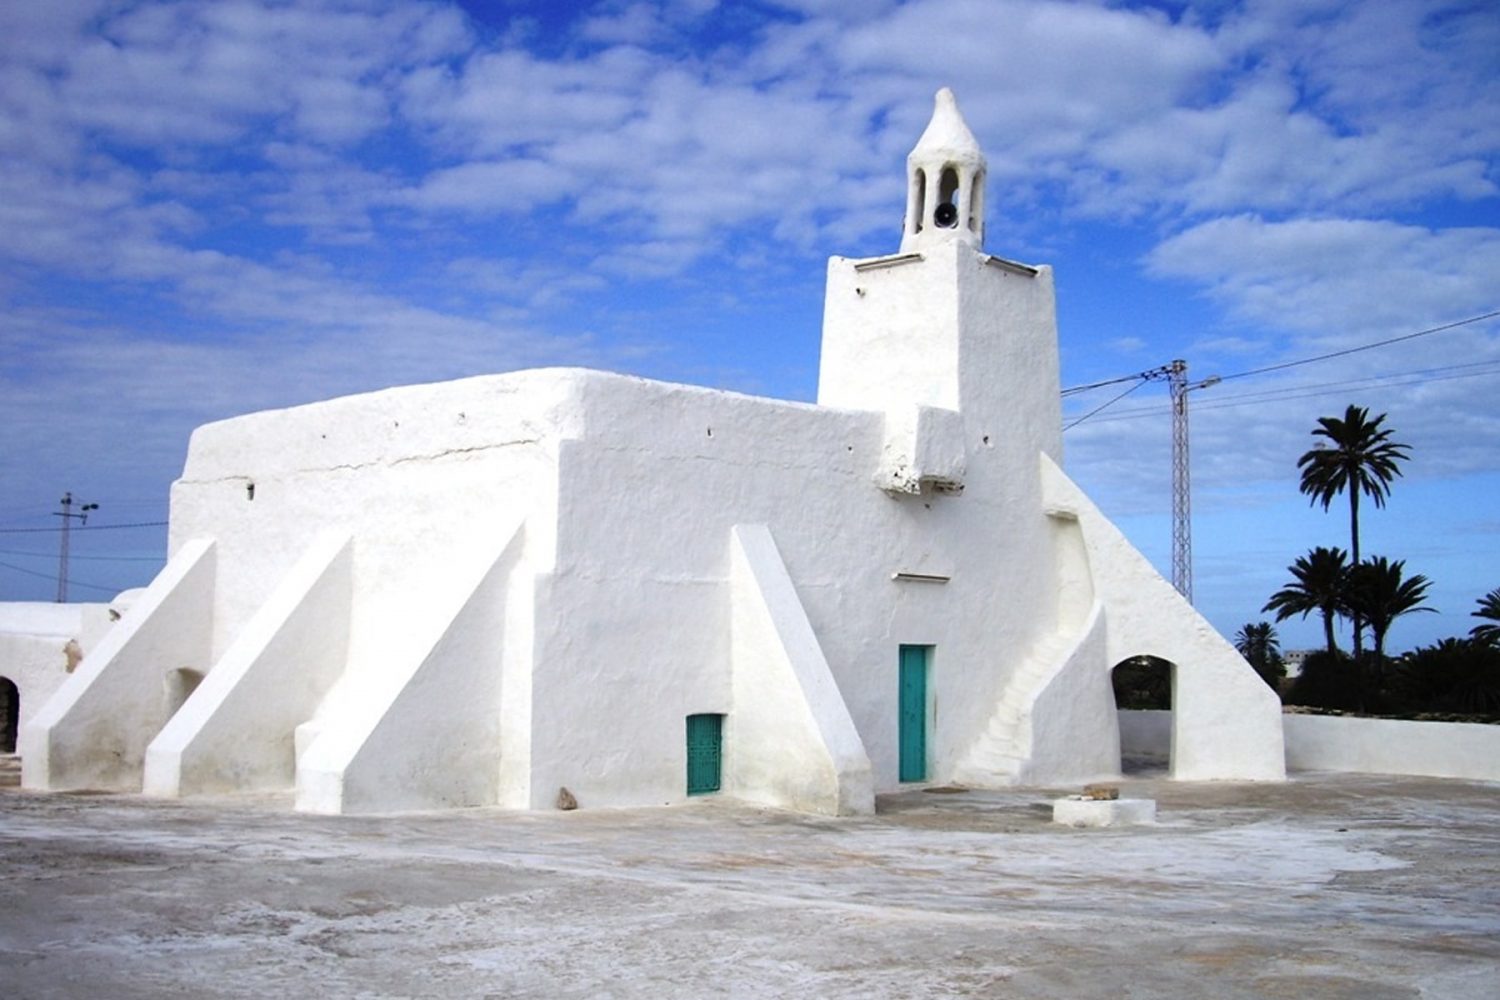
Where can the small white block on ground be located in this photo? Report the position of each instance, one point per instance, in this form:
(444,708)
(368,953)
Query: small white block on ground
(1075,810)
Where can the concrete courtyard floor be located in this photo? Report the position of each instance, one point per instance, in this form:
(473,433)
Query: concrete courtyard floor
(1326,886)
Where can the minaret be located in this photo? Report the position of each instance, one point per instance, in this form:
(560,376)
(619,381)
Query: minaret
(957,347)
(944,182)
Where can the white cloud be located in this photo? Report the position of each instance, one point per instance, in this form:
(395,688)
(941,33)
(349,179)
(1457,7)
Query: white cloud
(1339,279)
(247,203)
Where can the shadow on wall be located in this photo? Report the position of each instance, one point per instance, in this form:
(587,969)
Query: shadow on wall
(180,684)
(1143,691)
(10,714)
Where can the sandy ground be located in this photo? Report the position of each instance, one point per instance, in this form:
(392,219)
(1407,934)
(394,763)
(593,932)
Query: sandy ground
(1327,886)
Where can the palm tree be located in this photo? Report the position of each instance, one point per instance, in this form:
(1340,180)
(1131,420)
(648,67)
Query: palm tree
(1361,458)
(1379,595)
(1320,579)
(1260,647)
(1489,608)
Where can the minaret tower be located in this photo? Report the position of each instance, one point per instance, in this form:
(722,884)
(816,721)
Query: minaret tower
(956,346)
(944,182)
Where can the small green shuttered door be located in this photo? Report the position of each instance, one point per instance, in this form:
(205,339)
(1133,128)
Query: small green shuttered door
(912,718)
(705,739)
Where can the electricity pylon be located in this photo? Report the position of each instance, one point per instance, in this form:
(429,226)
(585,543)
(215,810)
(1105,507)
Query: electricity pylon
(67,515)
(1182,477)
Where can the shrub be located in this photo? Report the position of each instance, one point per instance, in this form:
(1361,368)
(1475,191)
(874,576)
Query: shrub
(1327,680)
(1455,675)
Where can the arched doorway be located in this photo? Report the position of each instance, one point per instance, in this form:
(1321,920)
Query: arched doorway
(1143,697)
(10,714)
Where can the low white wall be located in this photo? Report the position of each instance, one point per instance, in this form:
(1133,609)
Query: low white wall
(1339,743)
(1393,746)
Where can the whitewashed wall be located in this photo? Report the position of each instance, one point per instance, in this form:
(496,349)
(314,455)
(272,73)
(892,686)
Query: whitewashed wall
(1344,743)
(1392,746)
(33,646)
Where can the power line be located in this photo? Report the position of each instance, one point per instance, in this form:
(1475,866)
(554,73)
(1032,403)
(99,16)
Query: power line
(1112,402)
(71,583)
(71,557)
(1074,390)
(1365,347)
(91,527)
(1288,393)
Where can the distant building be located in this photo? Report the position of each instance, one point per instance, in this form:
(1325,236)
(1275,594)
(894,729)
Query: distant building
(484,591)
(1294,658)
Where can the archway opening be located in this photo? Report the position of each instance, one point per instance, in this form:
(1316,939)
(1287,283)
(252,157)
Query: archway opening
(1143,699)
(10,714)
(181,684)
(946,213)
(918,200)
(976,205)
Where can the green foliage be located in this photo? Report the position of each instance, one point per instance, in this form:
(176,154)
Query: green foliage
(1489,609)
(1454,675)
(1328,680)
(1259,645)
(1143,682)
(1317,585)
(1360,459)
(1378,594)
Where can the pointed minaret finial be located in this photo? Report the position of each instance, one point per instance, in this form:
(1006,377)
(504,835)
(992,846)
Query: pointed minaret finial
(945,182)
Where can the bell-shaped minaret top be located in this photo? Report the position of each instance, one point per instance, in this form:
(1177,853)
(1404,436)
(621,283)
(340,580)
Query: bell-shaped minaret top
(945,182)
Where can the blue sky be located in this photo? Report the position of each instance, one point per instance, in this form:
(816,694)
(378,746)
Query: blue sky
(217,207)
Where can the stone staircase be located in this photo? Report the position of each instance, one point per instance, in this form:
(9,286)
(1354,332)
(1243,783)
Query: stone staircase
(1000,755)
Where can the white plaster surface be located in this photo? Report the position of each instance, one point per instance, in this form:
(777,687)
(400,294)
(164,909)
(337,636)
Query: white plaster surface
(1392,746)
(366,757)
(93,731)
(33,655)
(36,639)
(1076,810)
(1226,721)
(791,741)
(946,143)
(1347,743)
(235,732)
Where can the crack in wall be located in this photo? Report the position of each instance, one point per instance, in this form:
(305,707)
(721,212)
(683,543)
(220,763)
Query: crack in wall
(357,466)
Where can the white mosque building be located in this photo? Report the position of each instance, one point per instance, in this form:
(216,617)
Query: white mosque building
(481,592)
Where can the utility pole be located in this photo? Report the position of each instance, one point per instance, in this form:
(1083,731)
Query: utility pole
(1182,477)
(67,515)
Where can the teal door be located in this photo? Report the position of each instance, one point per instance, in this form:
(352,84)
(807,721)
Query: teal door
(705,741)
(912,718)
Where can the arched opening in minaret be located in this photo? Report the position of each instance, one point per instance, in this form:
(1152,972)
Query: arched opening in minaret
(918,207)
(946,214)
(976,205)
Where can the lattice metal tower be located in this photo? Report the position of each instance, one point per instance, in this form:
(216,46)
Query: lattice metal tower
(1182,487)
